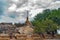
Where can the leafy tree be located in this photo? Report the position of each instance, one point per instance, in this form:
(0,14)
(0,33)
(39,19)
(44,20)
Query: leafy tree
(47,21)
(39,27)
(51,26)
(44,26)
(43,15)
(53,15)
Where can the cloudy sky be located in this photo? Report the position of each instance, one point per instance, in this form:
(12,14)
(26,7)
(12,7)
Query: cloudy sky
(16,10)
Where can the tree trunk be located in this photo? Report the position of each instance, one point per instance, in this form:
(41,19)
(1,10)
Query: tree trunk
(43,35)
(52,33)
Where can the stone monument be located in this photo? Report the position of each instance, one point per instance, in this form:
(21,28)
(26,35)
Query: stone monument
(27,29)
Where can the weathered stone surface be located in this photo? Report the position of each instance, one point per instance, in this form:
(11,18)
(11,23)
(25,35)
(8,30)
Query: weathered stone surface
(26,30)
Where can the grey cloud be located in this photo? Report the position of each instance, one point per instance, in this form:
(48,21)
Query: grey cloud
(38,4)
(54,6)
(56,0)
(22,2)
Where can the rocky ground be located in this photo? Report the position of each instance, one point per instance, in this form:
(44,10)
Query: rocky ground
(33,37)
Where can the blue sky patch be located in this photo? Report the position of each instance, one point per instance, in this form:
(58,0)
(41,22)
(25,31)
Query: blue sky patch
(12,16)
(2,7)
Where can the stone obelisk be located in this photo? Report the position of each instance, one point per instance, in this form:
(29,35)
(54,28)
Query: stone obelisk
(27,28)
(27,23)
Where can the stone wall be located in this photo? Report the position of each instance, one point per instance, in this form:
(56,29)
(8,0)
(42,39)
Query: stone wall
(20,37)
(26,37)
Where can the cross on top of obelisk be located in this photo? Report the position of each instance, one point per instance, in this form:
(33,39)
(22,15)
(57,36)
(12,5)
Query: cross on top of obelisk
(27,19)
(27,15)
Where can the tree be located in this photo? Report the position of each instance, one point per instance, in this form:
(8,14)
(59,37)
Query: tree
(53,15)
(44,26)
(51,27)
(39,27)
(47,21)
(43,15)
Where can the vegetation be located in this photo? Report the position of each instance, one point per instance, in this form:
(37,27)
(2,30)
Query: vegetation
(47,22)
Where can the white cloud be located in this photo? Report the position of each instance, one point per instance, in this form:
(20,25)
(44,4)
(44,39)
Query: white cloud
(35,12)
(19,7)
(12,7)
(22,9)
(6,19)
(54,5)
(15,1)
